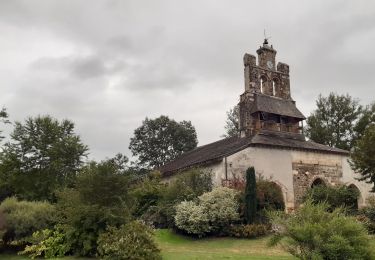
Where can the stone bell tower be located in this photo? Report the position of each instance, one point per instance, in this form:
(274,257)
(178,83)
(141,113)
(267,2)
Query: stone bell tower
(266,102)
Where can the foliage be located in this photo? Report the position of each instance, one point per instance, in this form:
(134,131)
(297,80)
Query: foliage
(334,196)
(23,218)
(314,233)
(133,241)
(209,214)
(250,196)
(367,214)
(187,185)
(362,157)
(100,199)
(48,243)
(366,119)
(269,196)
(160,140)
(232,123)
(43,155)
(248,231)
(333,122)
(3,119)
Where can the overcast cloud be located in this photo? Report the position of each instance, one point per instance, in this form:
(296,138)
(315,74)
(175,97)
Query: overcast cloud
(107,65)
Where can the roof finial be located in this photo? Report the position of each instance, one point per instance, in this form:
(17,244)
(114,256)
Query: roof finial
(265,37)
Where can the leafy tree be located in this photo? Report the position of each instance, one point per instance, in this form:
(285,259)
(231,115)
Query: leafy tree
(160,140)
(100,198)
(366,119)
(250,196)
(362,157)
(4,119)
(333,122)
(43,155)
(314,233)
(232,127)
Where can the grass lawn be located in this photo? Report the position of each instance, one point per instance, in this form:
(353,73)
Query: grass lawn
(178,247)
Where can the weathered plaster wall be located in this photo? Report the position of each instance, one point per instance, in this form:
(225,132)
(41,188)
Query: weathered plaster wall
(294,171)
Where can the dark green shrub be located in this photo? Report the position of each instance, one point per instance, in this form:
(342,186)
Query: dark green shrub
(335,196)
(367,215)
(250,196)
(211,213)
(248,231)
(269,196)
(313,232)
(23,218)
(100,199)
(133,241)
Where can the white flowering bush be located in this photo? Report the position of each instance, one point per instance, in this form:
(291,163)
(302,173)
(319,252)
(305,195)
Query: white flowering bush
(211,212)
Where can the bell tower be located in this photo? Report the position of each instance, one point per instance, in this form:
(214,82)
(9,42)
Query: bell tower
(266,102)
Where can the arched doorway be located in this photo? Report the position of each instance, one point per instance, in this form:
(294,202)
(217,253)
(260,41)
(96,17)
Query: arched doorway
(356,202)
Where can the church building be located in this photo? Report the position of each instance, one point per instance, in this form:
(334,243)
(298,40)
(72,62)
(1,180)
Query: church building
(271,140)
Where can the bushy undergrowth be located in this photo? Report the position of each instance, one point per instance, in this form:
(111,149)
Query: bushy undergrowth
(335,197)
(247,231)
(210,213)
(156,200)
(313,232)
(133,241)
(22,218)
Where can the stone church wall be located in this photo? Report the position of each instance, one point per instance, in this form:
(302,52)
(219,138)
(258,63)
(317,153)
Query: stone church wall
(294,171)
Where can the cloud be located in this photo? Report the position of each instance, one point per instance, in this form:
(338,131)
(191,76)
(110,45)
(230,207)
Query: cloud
(108,64)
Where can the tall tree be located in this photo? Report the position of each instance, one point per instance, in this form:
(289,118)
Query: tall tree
(160,140)
(4,119)
(250,196)
(334,120)
(362,158)
(43,155)
(232,127)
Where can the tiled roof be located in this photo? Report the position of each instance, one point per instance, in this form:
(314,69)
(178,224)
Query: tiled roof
(216,151)
(206,154)
(276,105)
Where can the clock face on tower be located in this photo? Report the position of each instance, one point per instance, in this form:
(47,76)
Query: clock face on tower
(269,64)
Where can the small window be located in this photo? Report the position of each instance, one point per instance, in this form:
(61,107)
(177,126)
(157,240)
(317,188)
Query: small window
(263,81)
(273,88)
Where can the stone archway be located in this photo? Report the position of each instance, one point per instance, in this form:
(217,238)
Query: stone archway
(318,182)
(359,201)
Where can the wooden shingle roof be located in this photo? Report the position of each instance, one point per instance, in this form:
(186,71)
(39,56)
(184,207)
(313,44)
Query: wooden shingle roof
(275,105)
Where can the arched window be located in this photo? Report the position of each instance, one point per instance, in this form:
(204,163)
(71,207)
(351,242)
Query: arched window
(275,87)
(263,81)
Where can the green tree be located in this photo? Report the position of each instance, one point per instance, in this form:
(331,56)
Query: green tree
(232,127)
(160,140)
(366,119)
(250,196)
(100,198)
(333,122)
(362,159)
(42,156)
(4,119)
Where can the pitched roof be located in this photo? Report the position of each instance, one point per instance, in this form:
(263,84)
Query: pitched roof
(206,154)
(216,151)
(276,105)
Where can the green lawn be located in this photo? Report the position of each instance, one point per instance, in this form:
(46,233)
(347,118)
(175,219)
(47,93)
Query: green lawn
(178,247)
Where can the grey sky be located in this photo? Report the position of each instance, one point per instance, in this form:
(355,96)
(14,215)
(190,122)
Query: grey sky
(107,65)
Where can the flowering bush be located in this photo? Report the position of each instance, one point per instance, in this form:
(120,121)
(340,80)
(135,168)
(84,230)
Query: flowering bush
(209,214)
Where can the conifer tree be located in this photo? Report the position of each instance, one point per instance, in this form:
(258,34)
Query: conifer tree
(250,196)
